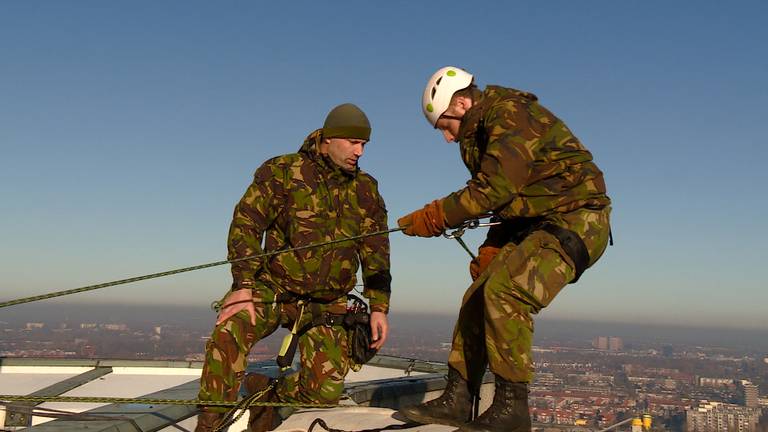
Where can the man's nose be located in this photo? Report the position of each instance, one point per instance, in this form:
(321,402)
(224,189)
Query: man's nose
(358,150)
(448,136)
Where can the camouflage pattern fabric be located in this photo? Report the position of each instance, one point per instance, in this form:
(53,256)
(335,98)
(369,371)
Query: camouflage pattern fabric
(297,200)
(524,161)
(302,199)
(527,167)
(323,351)
(495,326)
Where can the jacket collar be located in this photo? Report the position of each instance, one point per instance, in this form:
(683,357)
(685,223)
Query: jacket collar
(311,149)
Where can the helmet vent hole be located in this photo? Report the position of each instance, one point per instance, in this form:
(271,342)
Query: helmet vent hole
(438,81)
(434,90)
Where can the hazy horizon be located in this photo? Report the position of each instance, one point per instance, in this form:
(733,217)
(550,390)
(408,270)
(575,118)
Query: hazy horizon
(202,318)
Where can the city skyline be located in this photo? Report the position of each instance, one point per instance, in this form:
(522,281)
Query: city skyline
(129,132)
(201,318)
(579,382)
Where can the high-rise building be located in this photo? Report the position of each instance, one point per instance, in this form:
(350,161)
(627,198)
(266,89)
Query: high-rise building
(615,343)
(721,417)
(749,394)
(600,342)
(608,343)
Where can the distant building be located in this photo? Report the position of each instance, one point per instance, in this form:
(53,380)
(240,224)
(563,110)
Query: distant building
(721,417)
(34,325)
(715,382)
(114,327)
(615,344)
(600,342)
(749,394)
(608,343)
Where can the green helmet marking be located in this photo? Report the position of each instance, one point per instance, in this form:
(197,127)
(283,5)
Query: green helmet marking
(430,108)
(451,73)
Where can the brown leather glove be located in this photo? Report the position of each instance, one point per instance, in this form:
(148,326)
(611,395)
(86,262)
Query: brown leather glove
(427,222)
(485,255)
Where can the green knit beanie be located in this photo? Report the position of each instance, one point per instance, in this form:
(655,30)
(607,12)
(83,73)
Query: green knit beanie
(347,121)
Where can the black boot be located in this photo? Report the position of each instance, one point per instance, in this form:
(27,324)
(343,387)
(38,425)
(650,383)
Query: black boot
(206,420)
(453,407)
(262,418)
(508,413)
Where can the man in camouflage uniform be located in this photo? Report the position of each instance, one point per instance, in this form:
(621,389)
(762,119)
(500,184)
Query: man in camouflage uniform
(316,195)
(534,177)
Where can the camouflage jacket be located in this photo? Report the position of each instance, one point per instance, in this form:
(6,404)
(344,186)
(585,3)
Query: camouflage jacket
(524,161)
(301,199)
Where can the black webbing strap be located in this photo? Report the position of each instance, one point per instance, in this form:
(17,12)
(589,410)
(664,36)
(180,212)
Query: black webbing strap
(319,317)
(572,244)
(325,318)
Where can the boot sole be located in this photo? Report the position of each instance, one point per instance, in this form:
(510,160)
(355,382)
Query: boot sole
(423,419)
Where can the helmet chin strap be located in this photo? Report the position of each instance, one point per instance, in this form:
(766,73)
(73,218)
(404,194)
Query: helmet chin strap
(450,117)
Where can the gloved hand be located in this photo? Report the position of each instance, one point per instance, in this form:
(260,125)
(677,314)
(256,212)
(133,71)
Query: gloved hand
(427,222)
(234,302)
(485,255)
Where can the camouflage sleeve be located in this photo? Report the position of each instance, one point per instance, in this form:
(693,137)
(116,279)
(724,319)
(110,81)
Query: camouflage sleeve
(374,251)
(504,168)
(256,210)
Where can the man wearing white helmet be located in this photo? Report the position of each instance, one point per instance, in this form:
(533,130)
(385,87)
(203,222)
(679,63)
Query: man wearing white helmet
(534,177)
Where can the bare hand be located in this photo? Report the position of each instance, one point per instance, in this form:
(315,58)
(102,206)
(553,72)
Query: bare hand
(379,329)
(236,301)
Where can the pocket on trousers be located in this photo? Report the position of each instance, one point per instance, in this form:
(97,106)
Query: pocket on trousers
(539,269)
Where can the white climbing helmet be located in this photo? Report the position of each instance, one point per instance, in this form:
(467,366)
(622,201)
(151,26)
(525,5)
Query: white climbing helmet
(440,88)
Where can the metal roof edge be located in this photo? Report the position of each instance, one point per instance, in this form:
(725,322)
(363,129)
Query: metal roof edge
(28,361)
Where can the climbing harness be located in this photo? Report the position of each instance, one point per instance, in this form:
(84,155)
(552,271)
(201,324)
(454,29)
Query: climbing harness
(573,245)
(356,321)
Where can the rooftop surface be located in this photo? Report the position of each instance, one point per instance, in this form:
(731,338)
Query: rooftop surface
(371,395)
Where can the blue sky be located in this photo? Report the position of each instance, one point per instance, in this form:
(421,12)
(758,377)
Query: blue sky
(128,131)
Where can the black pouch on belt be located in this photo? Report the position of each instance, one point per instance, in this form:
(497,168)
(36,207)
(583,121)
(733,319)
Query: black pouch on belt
(358,324)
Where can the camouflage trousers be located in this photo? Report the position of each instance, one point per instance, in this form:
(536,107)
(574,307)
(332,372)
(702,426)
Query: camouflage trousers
(495,324)
(323,354)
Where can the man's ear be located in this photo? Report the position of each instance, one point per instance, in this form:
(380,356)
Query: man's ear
(464,102)
(322,146)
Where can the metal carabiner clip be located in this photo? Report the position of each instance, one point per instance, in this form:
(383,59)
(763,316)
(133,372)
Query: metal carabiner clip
(458,232)
(470,224)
